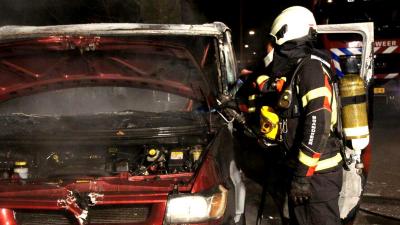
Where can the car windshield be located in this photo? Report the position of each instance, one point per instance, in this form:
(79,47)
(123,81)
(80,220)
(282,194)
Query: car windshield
(66,75)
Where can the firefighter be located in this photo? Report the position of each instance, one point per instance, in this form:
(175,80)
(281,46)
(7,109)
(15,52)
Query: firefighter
(249,93)
(307,119)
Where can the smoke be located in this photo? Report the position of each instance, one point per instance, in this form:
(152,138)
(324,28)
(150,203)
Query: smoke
(53,12)
(81,100)
(56,12)
(94,100)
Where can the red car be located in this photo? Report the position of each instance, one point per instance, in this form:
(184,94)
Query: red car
(117,124)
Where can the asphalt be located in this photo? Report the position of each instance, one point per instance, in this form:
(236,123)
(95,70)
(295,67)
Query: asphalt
(382,192)
(381,199)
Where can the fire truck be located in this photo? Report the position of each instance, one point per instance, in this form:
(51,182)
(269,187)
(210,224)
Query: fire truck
(346,50)
(387,70)
(386,83)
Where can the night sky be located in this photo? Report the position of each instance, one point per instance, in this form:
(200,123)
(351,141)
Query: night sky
(240,15)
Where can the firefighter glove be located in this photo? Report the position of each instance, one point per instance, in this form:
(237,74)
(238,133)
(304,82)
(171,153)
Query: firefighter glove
(300,190)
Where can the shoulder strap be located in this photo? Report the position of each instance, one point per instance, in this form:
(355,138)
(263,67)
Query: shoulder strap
(338,128)
(296,71)
(289,96)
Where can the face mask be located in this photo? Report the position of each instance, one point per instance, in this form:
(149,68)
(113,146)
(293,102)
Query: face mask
(268,59)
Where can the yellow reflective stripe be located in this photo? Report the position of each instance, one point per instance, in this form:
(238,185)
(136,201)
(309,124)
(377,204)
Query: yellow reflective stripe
(307,160)
(261,79)
(316,93)
(329,163)
(252,97)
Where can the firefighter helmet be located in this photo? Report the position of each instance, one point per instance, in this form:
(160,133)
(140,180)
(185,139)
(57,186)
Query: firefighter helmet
(292,23)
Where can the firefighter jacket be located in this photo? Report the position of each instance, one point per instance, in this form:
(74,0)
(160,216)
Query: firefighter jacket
(250,96)
(309,122)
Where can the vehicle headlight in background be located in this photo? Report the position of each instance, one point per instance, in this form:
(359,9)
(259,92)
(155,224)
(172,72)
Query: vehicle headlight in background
(194,208)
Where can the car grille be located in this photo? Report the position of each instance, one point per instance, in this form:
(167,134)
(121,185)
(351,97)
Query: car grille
(36,217)
(119,214)
(97,215)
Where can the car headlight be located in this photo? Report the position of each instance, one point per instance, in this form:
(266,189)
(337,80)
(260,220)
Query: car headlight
(194,208)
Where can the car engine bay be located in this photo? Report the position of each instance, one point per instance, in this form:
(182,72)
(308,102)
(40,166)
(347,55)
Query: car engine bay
(96,161)
(68,147)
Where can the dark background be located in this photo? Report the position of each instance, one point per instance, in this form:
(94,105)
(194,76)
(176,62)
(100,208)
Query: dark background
(240,15)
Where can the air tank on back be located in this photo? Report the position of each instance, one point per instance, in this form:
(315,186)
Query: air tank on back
(354,111)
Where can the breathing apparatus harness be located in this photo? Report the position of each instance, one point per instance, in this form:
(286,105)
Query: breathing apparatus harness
(288,107)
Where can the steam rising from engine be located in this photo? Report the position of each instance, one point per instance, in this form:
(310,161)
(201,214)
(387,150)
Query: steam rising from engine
(94,100)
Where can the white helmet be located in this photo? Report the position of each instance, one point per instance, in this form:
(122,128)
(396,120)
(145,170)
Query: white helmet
(293,22)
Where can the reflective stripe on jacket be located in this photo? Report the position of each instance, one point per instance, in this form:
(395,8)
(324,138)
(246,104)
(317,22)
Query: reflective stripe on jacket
(318,117)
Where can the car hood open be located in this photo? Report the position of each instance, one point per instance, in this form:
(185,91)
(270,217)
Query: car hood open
(166,58)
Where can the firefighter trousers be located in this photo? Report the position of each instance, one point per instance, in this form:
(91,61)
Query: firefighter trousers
(323,208)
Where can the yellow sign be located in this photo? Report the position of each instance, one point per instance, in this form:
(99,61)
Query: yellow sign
(176,155)
(379,90)
(20,163)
